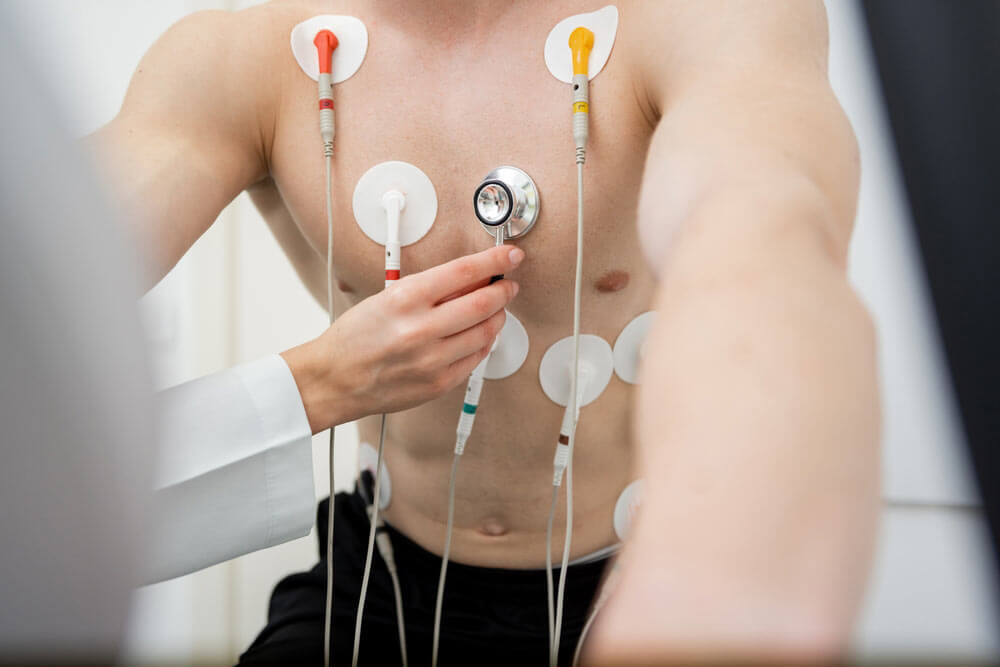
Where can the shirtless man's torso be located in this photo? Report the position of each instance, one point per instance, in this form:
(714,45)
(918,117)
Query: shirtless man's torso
(447,89)
(448,93)
(698,100)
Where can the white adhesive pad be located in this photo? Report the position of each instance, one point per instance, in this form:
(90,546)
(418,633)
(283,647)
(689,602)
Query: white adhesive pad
(626,507)
(511,350)
(352,38)
(555,371)
(367,460)
(418,213)
(603,23)
(628,347)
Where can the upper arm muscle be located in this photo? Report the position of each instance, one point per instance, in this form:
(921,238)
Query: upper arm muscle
(745,106)
(188,138)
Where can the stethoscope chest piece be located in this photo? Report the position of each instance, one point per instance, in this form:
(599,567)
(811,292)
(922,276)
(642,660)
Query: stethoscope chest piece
(507,200)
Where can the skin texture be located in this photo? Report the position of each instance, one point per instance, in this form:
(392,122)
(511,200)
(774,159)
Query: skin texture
(758,420)
(756,428)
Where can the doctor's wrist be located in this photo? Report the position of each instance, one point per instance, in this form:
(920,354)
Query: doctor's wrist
(316,377)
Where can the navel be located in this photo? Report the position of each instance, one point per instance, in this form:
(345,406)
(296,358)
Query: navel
(612,281)
(492,528)
(344,287)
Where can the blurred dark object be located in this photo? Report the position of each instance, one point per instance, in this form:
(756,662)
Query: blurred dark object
(939,62)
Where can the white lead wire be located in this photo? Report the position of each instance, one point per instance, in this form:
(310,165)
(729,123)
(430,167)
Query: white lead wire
(400,620)
(548,566)
(328,615)
(371,545)
(568,540)
(463,431)
(605,592)
(583,634)
(438,604)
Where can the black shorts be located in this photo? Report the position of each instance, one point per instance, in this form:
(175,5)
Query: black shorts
(490,615)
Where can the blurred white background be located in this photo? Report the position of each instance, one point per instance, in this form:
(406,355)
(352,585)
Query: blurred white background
(234,298)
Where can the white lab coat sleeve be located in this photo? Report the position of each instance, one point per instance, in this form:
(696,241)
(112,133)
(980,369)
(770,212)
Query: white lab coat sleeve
(234,468)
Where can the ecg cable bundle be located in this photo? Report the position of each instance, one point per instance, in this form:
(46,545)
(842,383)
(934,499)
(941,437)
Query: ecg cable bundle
(385,549)
(326,42)
(473,389)
(393,202)
(381,196)
(581,42)
(507,205)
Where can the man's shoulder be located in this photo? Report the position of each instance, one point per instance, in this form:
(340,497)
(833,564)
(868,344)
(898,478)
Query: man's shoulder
(259,31)
(673,44)
(241,54)
(249,28)
(218,73)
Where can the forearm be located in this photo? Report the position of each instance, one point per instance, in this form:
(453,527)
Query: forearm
(758,430)
(324,398)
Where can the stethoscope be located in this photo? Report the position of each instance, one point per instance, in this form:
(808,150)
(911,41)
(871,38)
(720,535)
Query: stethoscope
(506,203)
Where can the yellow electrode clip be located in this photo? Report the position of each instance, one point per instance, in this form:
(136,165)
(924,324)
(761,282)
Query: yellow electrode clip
(581,43)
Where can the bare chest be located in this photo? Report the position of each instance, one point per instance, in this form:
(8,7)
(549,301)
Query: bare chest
(457,112)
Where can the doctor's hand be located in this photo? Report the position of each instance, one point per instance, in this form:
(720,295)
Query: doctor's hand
(409,344)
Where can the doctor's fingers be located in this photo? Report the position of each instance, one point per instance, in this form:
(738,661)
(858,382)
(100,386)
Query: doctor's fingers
(465,312)
(458,276)
(461,345)
(471,288)
(460,370)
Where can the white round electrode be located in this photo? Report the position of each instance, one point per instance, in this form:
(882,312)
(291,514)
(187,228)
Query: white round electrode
(628,347)
(603,23)
(511,350)
(555,371)
(352,38)
(367,460)
(626,507)
(419,211)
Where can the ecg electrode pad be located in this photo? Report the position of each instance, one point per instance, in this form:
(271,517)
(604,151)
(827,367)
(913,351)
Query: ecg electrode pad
(353,45)
(628,347)
(510,352)
(603,23)
(416,218)
(556,369)
(626,507)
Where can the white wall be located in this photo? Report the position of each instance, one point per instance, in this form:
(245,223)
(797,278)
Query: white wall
(234,297)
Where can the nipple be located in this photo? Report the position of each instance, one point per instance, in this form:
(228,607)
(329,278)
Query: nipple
(613,281)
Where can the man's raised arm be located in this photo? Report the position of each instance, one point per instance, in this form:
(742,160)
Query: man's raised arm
(758,413)
(191,133)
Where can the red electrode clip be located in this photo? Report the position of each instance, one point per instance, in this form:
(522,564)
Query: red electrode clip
(325,42)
